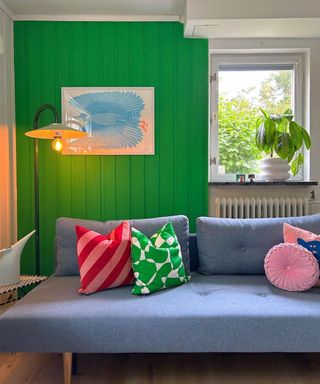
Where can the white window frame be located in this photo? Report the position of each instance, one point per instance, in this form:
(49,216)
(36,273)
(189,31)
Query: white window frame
(220,58)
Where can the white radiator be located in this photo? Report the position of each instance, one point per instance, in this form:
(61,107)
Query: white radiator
(258,207)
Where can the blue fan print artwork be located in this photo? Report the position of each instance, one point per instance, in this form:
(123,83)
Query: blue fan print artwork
(112,119)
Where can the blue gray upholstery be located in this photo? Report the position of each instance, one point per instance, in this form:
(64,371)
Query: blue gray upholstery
(208,314)
(66,240)
(212,313)
(239,246)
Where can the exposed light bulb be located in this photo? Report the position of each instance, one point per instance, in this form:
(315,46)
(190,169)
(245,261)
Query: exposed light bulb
(57,144)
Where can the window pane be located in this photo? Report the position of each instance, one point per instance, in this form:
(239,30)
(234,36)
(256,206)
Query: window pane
(241,93)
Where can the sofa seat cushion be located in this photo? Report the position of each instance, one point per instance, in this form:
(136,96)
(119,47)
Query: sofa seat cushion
(209,314)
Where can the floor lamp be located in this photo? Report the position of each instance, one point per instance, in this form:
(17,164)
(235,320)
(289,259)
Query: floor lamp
(56,132)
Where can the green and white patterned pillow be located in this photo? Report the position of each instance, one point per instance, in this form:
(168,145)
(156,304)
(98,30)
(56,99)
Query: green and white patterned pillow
(157,263)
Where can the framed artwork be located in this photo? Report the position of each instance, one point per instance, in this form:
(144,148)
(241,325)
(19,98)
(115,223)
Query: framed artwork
(119,120)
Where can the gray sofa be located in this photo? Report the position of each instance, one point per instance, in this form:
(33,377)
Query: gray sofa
(228,307)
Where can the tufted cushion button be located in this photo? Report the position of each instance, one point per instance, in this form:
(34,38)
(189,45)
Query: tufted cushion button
(203,294)
(243,249)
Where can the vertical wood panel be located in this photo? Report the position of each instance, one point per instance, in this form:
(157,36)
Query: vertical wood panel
(51,55)
(5,185)
(122,78)
(166,127)
(152,69)
(63,69)
(198,106)
(7,135)
(93,163)
(107,78)
(204,119)
(48,158)
(24,147)
(4,139)
(182,126)
(78,50)
(35,90)
(138,79)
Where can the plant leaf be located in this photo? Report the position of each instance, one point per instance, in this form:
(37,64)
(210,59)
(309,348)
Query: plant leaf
(297,163)
(288,114)
(305,135)
(291,154)
(284,146)
(270,132)
(260,137)
(306,138)
(265,113)
(276,118)
(296,135)
(265,134)
(283,124)
(259,121)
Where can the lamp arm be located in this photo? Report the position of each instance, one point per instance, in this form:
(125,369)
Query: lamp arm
(70,133)
(43,108)
(36,181)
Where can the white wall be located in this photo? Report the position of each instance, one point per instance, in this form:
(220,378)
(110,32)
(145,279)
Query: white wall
(251,9)
(313,78)
(7,135)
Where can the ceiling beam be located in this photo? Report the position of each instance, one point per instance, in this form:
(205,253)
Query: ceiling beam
(99,17)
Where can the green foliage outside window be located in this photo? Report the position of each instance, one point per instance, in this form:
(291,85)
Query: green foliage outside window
(237,118)
(238,152)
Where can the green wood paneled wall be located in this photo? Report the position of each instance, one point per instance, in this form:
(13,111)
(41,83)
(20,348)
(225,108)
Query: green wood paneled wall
(51,55)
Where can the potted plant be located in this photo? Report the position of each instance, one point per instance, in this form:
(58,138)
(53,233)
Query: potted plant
(281,138)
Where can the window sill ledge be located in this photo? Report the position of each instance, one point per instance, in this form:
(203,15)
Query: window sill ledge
(264,183)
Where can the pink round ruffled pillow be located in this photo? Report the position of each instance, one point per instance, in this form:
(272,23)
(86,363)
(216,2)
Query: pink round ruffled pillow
(291,267)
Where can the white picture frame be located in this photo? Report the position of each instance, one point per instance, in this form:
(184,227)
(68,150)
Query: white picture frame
(118,120)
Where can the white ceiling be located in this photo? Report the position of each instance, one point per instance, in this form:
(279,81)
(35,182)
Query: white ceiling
(253,18)
(96,7)
(204,18)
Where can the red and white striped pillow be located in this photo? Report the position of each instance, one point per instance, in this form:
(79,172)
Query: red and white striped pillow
(104,260)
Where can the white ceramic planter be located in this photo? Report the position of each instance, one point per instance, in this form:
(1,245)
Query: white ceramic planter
(274,169)
(10,261)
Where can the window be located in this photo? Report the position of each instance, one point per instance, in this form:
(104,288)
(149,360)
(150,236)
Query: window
(241,84)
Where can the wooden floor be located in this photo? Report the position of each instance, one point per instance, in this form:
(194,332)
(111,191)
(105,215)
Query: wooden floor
(39,368)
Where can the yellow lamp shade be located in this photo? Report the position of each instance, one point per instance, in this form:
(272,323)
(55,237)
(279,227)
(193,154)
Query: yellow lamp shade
(55,130)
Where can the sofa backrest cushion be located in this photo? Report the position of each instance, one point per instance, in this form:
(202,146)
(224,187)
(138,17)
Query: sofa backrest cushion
(66,239)
(239,246)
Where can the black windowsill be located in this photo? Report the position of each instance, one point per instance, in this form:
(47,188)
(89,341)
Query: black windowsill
(264,183)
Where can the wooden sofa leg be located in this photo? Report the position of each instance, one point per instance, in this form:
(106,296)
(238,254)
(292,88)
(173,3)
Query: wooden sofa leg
(67,367)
